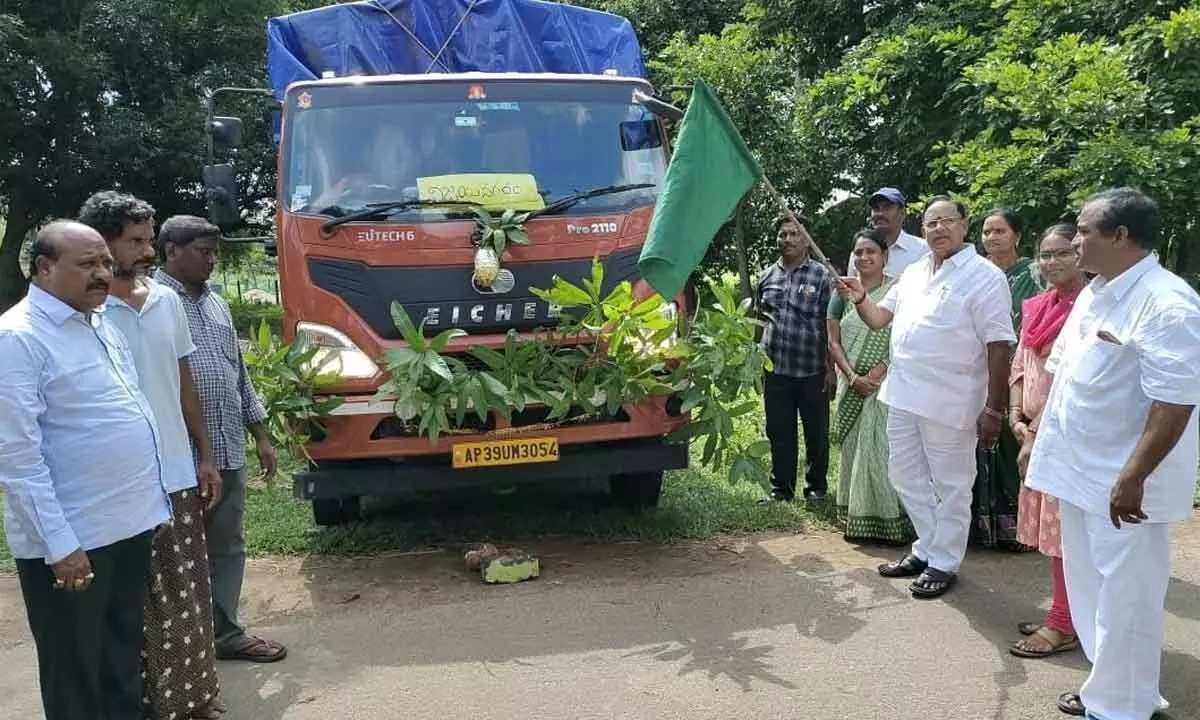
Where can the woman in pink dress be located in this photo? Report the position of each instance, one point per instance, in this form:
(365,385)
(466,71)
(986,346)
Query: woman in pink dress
(1037,516)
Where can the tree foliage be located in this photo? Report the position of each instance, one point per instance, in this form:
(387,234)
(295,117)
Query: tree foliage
(100,94)
(1029,103)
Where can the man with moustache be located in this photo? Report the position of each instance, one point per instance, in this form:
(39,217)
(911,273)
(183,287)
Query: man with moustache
(1117,443)
(792,296)
(946,388)
(178,655)
(888,207)
(79,517)
(190,245)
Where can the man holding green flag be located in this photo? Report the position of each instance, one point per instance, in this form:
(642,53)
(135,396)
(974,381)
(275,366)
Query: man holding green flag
(710,171)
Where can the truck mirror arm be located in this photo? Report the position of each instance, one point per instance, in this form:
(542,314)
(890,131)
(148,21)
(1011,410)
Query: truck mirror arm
(659,107)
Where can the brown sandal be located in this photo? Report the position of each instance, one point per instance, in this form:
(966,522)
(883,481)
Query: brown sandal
(1058,643)
(257,650)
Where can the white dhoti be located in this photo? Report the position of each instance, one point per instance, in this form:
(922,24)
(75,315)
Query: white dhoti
(932,467)
(1117,583)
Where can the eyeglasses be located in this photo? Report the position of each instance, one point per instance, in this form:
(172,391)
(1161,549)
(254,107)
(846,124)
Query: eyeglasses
(936,223)
(1057,255)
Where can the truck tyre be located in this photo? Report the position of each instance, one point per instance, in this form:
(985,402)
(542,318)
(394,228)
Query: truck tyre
(636,491)
(337,511)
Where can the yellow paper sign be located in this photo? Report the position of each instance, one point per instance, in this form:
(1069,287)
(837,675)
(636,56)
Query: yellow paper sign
(501,191)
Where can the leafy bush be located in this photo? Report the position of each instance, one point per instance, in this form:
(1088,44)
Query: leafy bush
(288,381)
(607,351)
(248,315)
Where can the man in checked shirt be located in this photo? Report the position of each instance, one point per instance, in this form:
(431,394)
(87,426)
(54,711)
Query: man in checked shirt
(189,245)
(792,297)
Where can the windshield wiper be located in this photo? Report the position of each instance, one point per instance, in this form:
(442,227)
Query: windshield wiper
(560,205)
(385,209)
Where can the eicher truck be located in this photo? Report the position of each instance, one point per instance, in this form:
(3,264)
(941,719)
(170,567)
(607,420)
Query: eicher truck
(390,111)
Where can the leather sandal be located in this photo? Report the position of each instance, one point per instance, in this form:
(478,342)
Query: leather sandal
(1056,642)
(257,650)
(909,566)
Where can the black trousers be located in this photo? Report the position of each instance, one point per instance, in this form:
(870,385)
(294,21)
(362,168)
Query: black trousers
(786,399)
(89,643)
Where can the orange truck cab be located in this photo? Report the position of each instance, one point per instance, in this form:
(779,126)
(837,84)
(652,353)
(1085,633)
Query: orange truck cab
(363,160)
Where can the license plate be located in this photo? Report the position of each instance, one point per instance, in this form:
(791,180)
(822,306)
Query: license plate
(505,452)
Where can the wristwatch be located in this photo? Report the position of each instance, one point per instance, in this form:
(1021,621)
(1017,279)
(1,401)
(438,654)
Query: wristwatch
(990,412)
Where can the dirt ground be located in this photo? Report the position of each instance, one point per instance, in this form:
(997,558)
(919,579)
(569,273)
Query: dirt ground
(762,627)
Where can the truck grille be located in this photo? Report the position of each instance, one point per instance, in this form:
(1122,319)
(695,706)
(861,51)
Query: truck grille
(447,296)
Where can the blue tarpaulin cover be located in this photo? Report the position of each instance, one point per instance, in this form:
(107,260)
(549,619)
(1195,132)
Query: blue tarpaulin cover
(377,38)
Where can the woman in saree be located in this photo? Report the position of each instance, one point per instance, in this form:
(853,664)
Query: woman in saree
(997,485)
(865,497)
(1037,520)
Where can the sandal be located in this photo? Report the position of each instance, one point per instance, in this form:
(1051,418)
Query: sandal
(932,583)
(257,650)
(1070,704)
(909,566)
(1056,642)
(1028,628)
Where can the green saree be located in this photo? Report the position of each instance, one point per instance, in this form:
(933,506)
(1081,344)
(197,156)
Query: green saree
(1023,284)
(866,501)
(997,482)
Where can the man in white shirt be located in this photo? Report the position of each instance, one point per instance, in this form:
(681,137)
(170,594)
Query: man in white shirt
(179,653)
(946,388)
(1117,445)
(887,216)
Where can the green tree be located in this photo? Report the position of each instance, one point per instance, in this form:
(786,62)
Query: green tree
(1029,103)
(1079,111)
(754,84)
(106,94)
(658,21)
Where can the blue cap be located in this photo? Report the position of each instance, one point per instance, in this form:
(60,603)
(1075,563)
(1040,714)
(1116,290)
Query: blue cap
(890,194)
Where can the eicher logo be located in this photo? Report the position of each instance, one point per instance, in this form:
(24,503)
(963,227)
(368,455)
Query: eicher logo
(377,235)
(490,313)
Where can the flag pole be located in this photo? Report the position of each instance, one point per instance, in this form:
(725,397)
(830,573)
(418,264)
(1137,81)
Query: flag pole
(812,244)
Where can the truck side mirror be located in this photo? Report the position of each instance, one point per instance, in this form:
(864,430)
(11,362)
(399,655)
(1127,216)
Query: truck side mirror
(639,135)
(226,132)
(220,190)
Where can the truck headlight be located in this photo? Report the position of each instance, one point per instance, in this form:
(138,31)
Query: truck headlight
(336,353)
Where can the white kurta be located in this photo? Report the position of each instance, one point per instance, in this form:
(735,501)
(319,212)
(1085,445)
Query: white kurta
(935,389)
(1128,342)
(941,326)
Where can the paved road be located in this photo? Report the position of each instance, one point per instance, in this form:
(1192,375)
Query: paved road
(772,628)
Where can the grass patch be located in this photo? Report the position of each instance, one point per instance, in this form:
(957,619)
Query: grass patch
(696,504)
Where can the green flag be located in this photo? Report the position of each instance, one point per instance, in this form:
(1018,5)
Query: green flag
(709,173)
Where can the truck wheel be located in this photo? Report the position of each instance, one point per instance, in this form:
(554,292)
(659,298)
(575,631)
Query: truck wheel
(337,511)
(636,491)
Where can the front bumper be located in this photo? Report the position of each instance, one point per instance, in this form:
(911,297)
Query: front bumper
(345,478)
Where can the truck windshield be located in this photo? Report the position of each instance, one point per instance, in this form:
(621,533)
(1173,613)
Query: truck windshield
(503,143)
